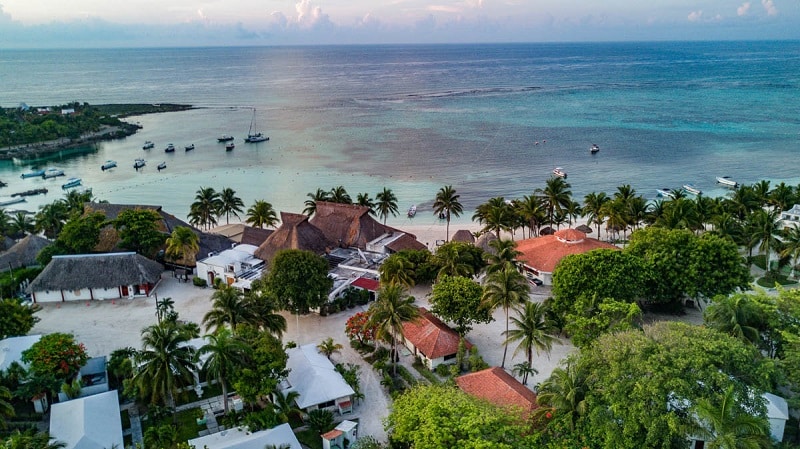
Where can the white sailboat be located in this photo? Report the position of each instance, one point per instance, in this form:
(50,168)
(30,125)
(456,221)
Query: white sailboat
(253,136)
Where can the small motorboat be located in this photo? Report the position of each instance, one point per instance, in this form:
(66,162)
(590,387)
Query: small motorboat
(666,192)
(162,166)
(692,189)
(108,164)
(229,146)
(594,148)
(139,163)
(412,211)
(558,171)
(224,138)
(148,145)
(71,182)
(52,173)
(170,148)
(32,174)
(189,147)
(727,181)
(5,201)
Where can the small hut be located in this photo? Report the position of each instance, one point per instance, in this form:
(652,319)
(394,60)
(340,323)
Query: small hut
(463,235)
(23,253)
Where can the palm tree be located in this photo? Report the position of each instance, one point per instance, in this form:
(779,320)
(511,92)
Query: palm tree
(735,315)
(285,404)
(531,209)
(328,347)
(388,313)
(261,214)
(453,262)
(397,270)
(495,215)
(557,196)
(765,228)
(791,247)
(339,195)
(265,308)
(30,439)
(386,203)
(313,198)
(230,204)
(182,245)
(743,201)
(564,392)
(164,307)
(6,409)
(533,331)
(761,192)
(206,207)
(726,426)
(21,223)
(165,362)
(51,218)
(782,196)
(75,200)
(363,199)
(228,307)
(447,203)
(504,255)
(225,354)
(524,369)
(505,288)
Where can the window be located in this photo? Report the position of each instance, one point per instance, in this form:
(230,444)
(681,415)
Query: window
(326,404)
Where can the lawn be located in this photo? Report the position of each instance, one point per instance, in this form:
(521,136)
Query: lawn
(309,438)
(185,422)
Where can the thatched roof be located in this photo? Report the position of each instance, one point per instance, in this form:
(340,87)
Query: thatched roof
(6,243)
(73,272)
(406,241)
(348,225)
(295,232)
(547,230)
(255,236)
(23,253)
(585,229)
(463,235)
(484,240)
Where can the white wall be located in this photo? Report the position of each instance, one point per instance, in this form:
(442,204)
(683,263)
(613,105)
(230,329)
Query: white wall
(106,293)
(48,296)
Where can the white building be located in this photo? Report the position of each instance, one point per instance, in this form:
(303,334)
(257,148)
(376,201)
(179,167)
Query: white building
(237,265)
(92,422)
(241,438)
(11,350)
(791,217)
(314,378)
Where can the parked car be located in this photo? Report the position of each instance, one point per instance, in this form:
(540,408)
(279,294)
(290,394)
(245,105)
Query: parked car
(536,281)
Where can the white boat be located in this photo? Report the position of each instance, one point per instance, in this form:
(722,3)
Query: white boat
(52,173)
(727,181)
(253,136)
(189,147)
(108,164)
(162,166)
(692,189)
(666,192)
(71,182)
(224,138)
(229,146)
(148,145)
(7,200)
(594,149)
(558,171)
(412,211)
(139,163)
(170,148)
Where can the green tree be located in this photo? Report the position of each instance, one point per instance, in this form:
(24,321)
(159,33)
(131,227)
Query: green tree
(765,229)
(532,331)
(230,204)
(444,417)
(495,215)
(161,436)
(16,319)
(6,409)
(206,208)
(31,439)
(459,259)
(524,369)
(505,288)
(264,365)
(51,218)
(363,199)
(299,280)
(138,230)
(725,426)
(320,420)
(563,394)
(504,256)
(386,203)
(313,199)
(735,315)
(165,363)
(285,404)
(261,214)
(791,247)
(447,203)
(557,196)
(76,201)
(328,347)
(339,195)
(265,307)
(230,308)
(21,223)
(57,354)
(81,234)
(397,269)
(458,300)
(224,354)
(183,245)
(388,313)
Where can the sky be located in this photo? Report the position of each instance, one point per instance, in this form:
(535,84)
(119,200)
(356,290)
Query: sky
(177,23)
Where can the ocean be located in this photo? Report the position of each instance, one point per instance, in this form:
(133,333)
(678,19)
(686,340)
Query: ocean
(492,120)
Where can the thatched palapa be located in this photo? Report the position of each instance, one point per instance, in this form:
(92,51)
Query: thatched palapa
(463,235)
(348,225)
(295,232)
(23,253)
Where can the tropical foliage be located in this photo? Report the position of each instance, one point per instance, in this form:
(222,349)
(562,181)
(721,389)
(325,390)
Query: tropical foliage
(299,280)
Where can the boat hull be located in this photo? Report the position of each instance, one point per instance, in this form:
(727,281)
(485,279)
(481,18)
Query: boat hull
(727,182)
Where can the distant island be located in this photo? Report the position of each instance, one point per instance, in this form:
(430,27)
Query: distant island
(32,132)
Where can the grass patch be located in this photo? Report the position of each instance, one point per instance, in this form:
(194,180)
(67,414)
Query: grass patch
(760,261)
(185,421)
(403,372)
(126,419)
(309,438)
(771,279)
(209,391)
(427,374)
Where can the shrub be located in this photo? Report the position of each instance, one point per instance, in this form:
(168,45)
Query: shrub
(320,420)
(476,362)
(260,420)
(455,370)
(199,282)
(442,370)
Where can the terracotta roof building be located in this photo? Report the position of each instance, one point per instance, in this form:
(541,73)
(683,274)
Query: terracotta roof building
(430,339)
(540,255)
(498,387)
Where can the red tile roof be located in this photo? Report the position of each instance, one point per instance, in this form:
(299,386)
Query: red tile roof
(498,387)
(543,253)
(332,434)
(367,284)
(430,336)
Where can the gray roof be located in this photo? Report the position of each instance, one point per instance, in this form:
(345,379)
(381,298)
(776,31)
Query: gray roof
(23,253)
(110,270)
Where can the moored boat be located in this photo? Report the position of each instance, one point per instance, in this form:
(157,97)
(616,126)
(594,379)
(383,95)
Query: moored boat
(189,147)
(558,171)
(52,173)
(665,192)
(692,189)
(148,145)
(108,164)
(32,174)
(139,163)
(412,211)
(5,201)
(162,166)
(170,148)
(253,136)
(727,181)
(224,138)
(594,149)
(229,146)
(71,182)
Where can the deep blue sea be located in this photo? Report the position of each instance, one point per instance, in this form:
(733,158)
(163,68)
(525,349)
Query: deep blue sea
(417,117)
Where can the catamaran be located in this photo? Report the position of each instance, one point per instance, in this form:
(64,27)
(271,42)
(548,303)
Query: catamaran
(253,136)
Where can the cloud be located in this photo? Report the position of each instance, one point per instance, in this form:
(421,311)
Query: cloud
(443,8)
(309,16)
(769,7)
(742,10)
(695,16)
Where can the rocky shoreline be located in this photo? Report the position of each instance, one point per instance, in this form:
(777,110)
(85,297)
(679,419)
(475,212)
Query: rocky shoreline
(43,149)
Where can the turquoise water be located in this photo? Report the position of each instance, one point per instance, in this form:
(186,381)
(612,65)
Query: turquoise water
(414,118)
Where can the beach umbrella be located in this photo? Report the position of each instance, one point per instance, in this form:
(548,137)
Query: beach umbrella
(547,230)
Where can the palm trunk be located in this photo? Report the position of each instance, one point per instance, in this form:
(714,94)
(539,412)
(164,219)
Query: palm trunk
(394,356)
(224,394)
(505,344)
